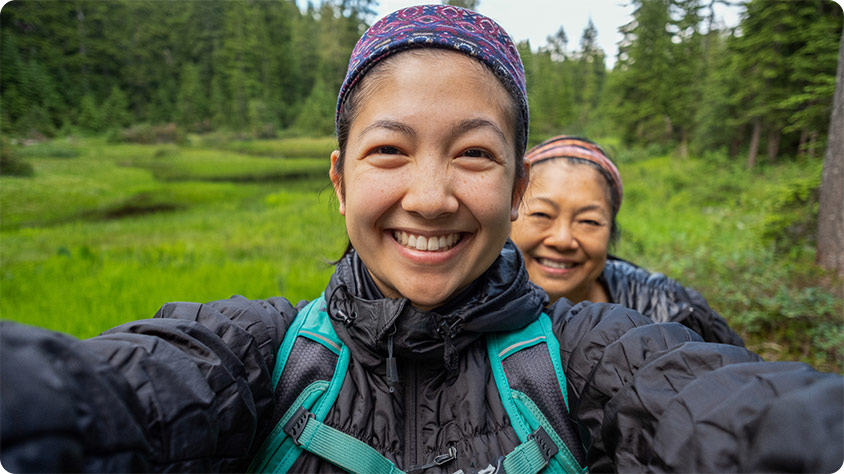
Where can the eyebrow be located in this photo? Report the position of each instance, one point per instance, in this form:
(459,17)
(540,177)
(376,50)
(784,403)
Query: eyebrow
(470,124)
(550,202)
(458,129)
(391,125)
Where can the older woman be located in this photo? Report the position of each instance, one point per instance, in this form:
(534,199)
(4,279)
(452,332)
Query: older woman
(567,224)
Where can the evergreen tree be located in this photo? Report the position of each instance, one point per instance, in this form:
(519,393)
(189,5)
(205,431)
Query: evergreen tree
(90,119)
(639,85)
(191,103)
(317,116)
(115,110)
(591,76)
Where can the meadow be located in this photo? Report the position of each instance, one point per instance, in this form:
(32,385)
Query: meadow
(103,233)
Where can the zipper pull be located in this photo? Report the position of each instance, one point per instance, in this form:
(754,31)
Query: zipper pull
(392,369)
(451,455)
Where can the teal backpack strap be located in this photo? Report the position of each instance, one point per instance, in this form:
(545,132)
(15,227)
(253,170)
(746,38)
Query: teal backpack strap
(338,448)
(312,324)
(301,428)
(529,374)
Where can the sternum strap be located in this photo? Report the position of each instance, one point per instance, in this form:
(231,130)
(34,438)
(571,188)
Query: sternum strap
(337,447)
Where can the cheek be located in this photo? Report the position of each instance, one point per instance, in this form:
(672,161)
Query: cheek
(599,245)
(523,234)
(491,198)
(369,193)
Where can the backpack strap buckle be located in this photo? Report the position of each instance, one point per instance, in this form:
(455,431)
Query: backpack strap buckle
(546,445)
(297,423)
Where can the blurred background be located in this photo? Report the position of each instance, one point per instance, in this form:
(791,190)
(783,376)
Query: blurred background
(155,151)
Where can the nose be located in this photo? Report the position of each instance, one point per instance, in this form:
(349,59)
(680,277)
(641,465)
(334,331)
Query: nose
(430,192)
(561,236)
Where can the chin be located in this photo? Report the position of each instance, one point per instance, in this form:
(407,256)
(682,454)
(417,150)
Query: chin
(427,297)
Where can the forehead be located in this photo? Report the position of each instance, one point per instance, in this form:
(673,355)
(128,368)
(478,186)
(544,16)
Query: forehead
(444,78)
(563,178)
(395,65)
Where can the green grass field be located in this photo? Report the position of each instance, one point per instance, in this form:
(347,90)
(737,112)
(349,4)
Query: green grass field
(104,233)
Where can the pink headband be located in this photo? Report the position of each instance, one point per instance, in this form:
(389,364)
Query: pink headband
(573,147)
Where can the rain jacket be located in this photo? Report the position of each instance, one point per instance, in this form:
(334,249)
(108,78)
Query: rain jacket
(190,389)
(663,299)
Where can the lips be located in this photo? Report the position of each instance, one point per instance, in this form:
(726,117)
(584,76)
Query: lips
(436,243)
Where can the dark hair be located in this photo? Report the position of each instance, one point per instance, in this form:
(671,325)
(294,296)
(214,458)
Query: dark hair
(363,90)
(610,190)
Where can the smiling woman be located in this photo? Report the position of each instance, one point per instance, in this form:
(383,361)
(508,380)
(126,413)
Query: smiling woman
(429,351)
(411,181)
(565,230)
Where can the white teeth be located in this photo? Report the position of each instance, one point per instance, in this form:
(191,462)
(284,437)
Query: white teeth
(430,244)
(554,264)
(433,244)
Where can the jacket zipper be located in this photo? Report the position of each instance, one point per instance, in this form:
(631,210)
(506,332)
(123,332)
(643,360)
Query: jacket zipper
(410,414)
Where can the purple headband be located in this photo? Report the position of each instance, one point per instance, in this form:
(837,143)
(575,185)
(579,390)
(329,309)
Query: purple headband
(440,26)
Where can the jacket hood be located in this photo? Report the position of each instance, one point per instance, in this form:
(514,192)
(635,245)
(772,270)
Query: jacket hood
(501,299)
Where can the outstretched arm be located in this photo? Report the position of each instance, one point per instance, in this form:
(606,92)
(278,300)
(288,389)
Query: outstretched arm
(655,398)
(185,391)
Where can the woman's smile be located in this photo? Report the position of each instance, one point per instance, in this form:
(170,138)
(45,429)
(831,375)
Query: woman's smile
(556,266)
(434,243)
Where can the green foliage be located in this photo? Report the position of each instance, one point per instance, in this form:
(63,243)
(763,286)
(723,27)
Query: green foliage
(298,147)
(11,163)
(270,69)
(118,229)
(242,66)
(741,239)
(147,134)
(115,109)
(317,116)
(470,4)
(112,243)
(51,149)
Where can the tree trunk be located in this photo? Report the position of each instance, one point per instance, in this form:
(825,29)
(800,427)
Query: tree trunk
(773,144)
(831,207)
(803,145)
(754,143)
(813,143)
(684,144)
(80,30)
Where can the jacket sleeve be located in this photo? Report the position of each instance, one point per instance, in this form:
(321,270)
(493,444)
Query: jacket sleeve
(655,398)
(704,320)
(185,391)
(663,299)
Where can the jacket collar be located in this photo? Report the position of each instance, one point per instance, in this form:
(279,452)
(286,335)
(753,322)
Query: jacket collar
(502,299)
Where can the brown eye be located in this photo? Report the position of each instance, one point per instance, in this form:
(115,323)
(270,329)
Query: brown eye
(387,150)
(478,153)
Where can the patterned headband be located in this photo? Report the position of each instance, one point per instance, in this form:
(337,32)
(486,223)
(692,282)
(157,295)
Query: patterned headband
(573,147)
(440,26)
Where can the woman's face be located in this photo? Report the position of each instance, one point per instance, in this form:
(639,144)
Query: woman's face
(564,229)
(429,176)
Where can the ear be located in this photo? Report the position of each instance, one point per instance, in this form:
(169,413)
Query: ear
(337,181)
(519,188)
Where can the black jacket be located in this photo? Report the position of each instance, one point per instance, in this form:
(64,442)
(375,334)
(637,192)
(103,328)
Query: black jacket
(663,299)
(190,390)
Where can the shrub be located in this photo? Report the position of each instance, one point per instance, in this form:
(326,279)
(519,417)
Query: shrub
(11,164)
(49,150)
(149,134)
